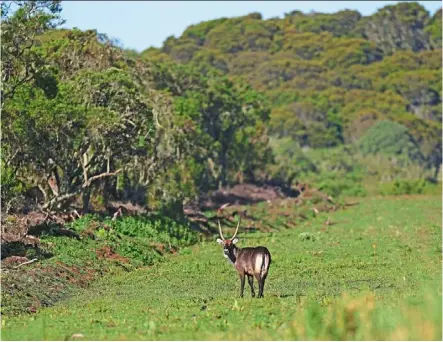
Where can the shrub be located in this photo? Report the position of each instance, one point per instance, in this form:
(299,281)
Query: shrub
(342,187)
(390,138)
(11,189)
(409,187)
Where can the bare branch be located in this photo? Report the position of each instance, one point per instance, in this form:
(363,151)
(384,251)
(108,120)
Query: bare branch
(102,175)
(117,213)
(8,162)
(85,167)
(26,263)
(84,186)
(60,199)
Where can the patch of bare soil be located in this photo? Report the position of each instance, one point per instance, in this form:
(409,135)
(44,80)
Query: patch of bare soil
(106,252)
(20,234)
(241,194)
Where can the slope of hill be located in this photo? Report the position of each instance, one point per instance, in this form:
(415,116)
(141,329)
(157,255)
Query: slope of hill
(330,77)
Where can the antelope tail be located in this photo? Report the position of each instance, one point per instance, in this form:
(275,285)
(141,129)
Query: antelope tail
(266,260)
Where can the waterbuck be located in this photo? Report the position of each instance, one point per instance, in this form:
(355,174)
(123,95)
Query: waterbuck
(250,261)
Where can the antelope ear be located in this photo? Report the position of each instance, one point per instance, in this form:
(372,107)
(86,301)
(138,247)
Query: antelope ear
(220,241)
(235,241)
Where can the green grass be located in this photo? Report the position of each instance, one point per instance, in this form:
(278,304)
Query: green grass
(373,274)
(106,247)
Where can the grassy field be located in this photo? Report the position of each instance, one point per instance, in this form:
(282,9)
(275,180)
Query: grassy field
(373,273)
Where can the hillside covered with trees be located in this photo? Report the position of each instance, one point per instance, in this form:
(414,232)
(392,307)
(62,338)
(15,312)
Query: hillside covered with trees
(372,84)
(342,101)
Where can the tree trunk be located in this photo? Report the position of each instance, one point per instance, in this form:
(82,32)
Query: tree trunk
(223,171)
(174,209)
(437,171)
(106,192)
(86,196)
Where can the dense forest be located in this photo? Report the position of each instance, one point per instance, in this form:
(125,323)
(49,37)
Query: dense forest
(348,103)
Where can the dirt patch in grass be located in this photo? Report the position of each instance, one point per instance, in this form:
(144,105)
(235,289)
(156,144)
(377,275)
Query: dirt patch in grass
(107,253)
(242,194)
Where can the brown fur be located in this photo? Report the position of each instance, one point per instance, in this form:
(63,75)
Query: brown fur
(249,261)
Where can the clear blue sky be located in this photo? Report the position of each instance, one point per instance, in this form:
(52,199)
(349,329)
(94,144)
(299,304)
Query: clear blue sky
(141,24)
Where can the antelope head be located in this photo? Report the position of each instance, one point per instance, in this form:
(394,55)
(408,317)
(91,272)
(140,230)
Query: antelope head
(229,248)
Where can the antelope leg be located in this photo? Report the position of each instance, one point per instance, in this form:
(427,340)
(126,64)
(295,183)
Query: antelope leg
(261,286)
(251,284)
(242,284)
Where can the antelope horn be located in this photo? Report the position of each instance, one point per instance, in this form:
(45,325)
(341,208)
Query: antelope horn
(220,230)
(236,229)
(223,206)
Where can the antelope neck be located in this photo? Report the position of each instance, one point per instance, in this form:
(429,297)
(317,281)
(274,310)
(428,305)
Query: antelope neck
(233,254)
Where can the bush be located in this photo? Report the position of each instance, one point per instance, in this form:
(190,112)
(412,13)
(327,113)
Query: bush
(336,185)
(409,187)
(11,189)
(290,161)
(390,138)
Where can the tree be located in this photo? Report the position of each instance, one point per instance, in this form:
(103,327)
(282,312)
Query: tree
(224,110)
(341,23)
(397,27)
(390,138)
(22,65)
(434,29)
(207,60)
(420,88)
(89,131)
(21,62)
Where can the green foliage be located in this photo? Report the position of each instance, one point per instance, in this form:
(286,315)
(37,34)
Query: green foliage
(198,32)
(208,60)
(347,171)
(184,52)
(96,110)
(390,138)
(306,123)
(342,53)
(22,62)
(11,189)
(225,117)
(136,237)
(242,33)
(290,162)
(203,112)
(421,88)
(81,131)
(306,45)
(397,27)
(408,187)
(155,54)
(158,229)
(341,23)
(245,63)
(336,185)
(330,77)
(434,29)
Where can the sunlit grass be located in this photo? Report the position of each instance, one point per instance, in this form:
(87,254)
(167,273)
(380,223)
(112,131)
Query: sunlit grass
(374,273)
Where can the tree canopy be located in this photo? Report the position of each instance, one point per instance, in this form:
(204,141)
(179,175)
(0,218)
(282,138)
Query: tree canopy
(327,74)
